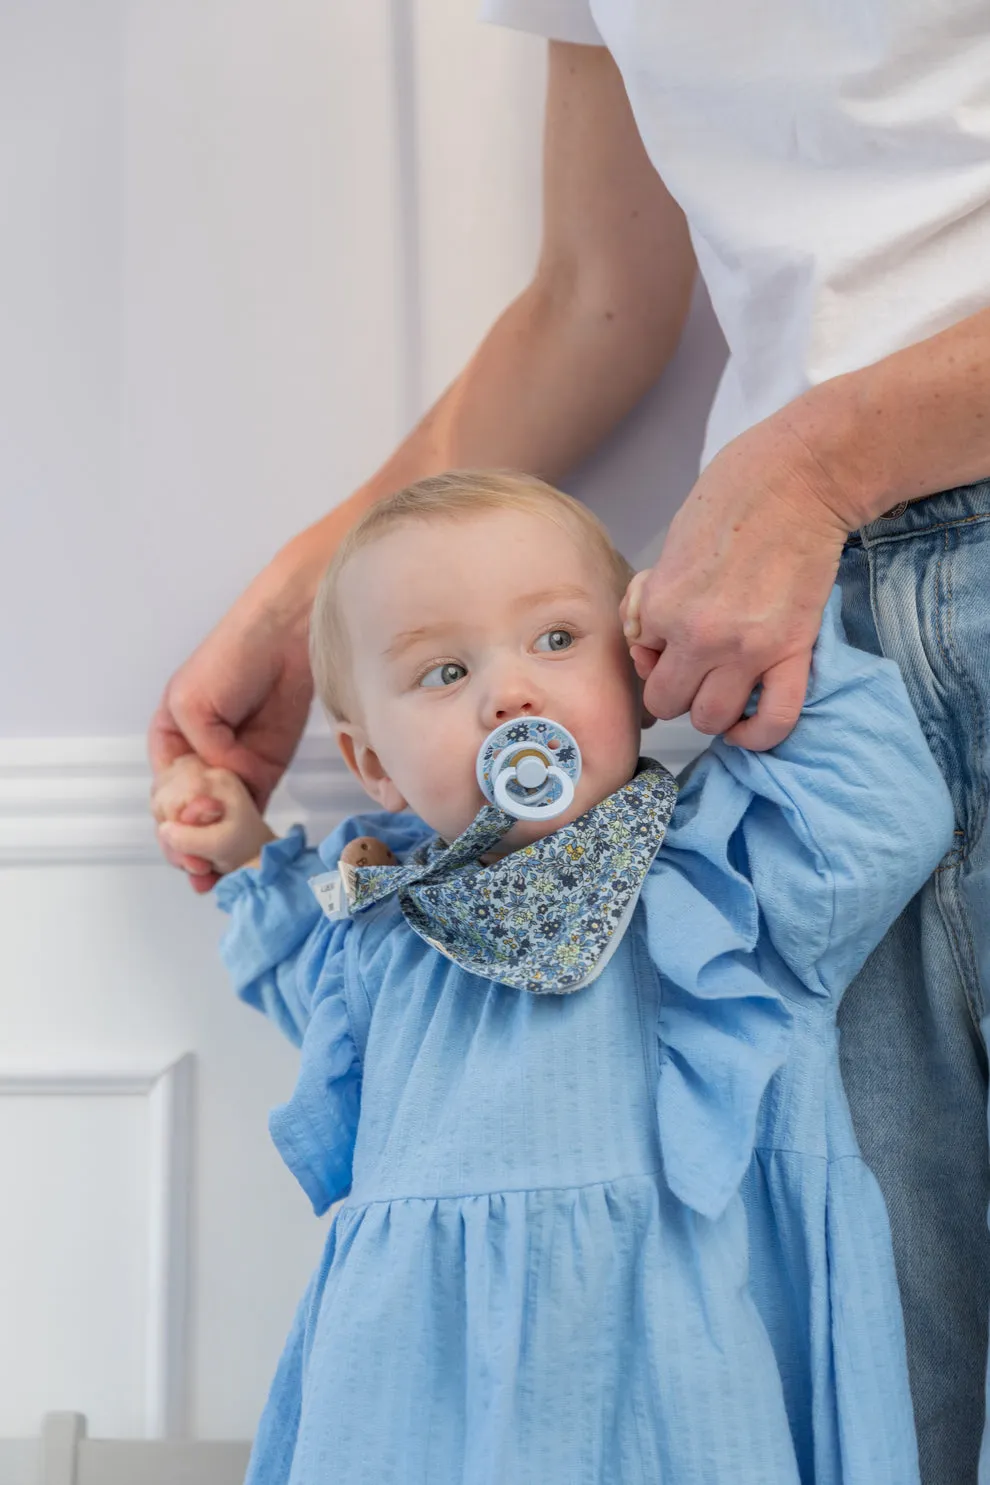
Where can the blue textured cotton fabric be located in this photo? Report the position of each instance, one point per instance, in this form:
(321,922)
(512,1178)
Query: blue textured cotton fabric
(622,1236)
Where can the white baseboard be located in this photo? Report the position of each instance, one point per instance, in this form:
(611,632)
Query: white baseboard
(84,800)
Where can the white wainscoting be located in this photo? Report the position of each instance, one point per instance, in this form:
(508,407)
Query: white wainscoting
(85,799)
(77,800)
(56,1159)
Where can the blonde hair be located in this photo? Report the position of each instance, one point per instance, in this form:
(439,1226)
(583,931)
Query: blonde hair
(458,493)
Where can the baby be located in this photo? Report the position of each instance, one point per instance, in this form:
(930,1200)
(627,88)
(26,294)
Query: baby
(619,1235)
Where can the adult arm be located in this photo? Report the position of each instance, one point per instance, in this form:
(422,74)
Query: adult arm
(738,592)
(562,366)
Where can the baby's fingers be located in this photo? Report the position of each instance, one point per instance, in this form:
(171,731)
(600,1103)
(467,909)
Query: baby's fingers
(203,810)
(192,840)
(171,800)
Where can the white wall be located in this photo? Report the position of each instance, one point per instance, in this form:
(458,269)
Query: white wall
(243,244)
(199,292)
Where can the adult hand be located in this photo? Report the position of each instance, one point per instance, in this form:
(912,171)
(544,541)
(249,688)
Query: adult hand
(737,595)
(240,702)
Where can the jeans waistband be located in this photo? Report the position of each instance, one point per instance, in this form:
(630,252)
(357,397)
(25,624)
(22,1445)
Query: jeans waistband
(931,513)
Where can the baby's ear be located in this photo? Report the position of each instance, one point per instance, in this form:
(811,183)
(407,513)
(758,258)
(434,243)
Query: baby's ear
(365,764)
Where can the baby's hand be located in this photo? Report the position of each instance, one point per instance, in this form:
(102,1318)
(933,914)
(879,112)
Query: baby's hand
(201,810)
(230,831)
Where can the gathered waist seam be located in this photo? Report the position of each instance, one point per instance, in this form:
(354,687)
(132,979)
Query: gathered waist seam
(349,1203)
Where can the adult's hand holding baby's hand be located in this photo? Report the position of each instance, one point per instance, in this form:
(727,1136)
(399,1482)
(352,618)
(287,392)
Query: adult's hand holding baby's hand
(201,810)
(737,595)
(207,814)
(240,701)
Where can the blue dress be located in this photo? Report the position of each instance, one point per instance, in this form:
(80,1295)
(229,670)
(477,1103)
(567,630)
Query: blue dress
(621,1237)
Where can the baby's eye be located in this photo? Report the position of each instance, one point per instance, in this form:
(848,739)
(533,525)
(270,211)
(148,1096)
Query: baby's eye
(555,639)
(446,674)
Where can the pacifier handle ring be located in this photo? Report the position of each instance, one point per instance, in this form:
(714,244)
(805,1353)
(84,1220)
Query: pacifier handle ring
(534,811)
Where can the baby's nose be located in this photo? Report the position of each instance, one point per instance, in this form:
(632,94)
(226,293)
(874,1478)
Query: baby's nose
(521,709)
(511,694)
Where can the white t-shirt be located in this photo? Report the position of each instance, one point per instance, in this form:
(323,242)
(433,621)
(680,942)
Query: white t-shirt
(832,158)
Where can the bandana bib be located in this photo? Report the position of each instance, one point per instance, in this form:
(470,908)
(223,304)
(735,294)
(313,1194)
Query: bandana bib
(546,918)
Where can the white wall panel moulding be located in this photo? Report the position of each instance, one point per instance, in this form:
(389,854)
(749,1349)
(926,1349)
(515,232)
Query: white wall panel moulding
(85,799)
(169,1096)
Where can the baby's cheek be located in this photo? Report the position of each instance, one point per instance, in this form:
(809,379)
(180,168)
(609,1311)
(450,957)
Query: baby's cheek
(612,710)
(430,780)
(434,769)
(612,740)
(453,802)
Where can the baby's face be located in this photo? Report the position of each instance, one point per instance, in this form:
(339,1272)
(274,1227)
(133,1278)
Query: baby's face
(459,625)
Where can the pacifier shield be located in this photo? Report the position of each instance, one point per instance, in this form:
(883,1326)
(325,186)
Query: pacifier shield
(540,762)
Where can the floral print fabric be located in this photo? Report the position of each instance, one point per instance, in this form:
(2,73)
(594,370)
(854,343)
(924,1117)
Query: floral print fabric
(546,917)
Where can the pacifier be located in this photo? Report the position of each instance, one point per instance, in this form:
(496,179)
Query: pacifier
(528,767)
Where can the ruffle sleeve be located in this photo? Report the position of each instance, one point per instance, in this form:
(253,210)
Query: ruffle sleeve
(276,941)
(287,959)
(723,1029)
(849,815)
(315,1131)
(279,944)
(781,871)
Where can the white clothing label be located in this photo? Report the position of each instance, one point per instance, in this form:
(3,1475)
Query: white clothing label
(328,890)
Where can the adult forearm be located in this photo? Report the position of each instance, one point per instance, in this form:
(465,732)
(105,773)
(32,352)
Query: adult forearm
(555,374)
(912,424)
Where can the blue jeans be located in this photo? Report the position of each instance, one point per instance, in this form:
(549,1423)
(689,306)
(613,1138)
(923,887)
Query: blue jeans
(916,587)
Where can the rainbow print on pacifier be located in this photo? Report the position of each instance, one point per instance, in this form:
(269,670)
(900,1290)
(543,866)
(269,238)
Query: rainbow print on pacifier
(529,767)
